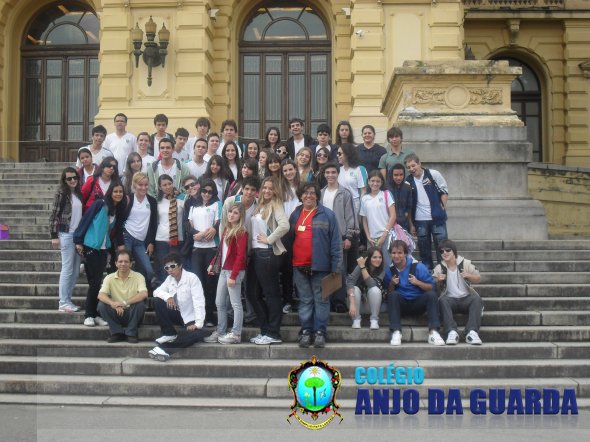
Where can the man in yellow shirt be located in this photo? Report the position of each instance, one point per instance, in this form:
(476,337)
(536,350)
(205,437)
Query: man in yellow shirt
(121,299)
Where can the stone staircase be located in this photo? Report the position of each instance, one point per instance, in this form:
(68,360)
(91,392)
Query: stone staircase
(536,329)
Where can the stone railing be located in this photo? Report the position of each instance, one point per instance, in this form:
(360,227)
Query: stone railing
(565,194)
(514,4)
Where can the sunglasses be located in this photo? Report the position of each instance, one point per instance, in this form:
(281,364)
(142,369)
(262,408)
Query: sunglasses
(170,266)
(281,152)
(321,155)
(110,166)
(208,191)
(71,178)
(189,186)
(445,250)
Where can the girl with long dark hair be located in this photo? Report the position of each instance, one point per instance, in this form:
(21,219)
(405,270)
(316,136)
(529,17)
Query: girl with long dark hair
(87,167)
(220,174)
(271,138)
(364,287)
(97,185)
(352,175)
(133,164)
(64,220)
(93,239)
(232,160)
(204,218)
(344,133)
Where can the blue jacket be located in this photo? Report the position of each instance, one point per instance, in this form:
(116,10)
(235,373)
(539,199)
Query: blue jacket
(405,288)
(434,193)
(326,241)
(94,226)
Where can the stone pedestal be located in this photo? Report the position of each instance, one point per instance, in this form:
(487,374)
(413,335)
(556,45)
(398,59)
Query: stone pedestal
(456,116)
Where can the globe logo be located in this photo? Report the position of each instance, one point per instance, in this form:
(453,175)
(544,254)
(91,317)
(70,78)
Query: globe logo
(314,389)
(314,385)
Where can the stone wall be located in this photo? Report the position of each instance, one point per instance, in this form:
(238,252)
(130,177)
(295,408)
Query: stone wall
(565,194)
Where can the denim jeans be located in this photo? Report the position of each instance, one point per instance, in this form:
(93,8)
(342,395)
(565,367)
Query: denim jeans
(314,312)
(70,267)
(96,261)
(235,298)
(166,317)
(398,305)
(427,230)
(142,260)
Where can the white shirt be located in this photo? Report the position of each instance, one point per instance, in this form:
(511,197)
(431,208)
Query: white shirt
(375,209)
(76,213)
(196,169)
(138,221)
(290,205)
(298,144)
(456,285)
(121,147)
(188,295)
(203,218)
(163,231)
(259,226)
(328,200)
(352,179)
(104,186)
(146,161)
(171,172)
(182,155)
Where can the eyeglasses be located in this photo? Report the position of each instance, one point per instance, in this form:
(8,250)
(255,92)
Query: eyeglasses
(445,250)
(208,191)
(170,266)
(189,185)
(71,178)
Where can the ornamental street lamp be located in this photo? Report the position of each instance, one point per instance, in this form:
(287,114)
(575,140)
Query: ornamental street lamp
(153,54)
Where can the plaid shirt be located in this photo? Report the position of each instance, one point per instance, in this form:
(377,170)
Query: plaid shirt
(61,214)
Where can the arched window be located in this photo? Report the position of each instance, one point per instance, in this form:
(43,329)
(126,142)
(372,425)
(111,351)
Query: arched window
(527,102)
(59,92)
(285,69)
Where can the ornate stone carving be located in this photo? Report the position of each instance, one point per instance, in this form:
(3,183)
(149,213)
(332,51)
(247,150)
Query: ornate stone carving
(429,96)
(485,96)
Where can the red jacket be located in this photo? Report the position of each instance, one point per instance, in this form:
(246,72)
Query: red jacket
(91,192)
(237,253)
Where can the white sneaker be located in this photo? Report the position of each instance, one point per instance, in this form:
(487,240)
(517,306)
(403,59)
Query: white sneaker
(165,338)
(158,354)
(89,322)
(435,339)
(99,321)
(212,338)
(374,324)
(267,340)
(356,323)
(473,338)
(396,338)
(67,308)
(229,338)
(452,338)
(256,338)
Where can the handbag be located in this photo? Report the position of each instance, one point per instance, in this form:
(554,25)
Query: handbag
(215,264)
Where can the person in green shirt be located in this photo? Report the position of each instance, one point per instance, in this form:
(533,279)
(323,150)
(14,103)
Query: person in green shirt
(395,154)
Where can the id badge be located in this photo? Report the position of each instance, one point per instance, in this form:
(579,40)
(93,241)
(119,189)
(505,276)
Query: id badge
(301,229)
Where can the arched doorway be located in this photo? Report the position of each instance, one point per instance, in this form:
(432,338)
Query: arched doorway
(284,69)
(527,102)
(59,92)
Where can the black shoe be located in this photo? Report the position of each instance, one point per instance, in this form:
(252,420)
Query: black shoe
(132,339)
(320,341)
(117,337)
(305,339)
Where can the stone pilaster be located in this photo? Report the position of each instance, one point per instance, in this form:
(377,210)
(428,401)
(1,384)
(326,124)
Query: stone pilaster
(577,121)
(446,30)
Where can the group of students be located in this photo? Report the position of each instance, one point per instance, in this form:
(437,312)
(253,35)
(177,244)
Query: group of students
(220,210)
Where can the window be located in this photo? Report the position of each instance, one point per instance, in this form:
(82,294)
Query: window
(527,103)
(59,97)
(285,69)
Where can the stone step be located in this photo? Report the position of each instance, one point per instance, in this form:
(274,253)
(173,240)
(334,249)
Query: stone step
(533,266)
(289,334)
(38,165)
(26,244)
(502,318)
(28,235)
(338,350)
(527,255)
(277,368)
(26,214)
(26,176)
(18,221)
(163,386)
(25,207)
(8,198)
(51,181)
